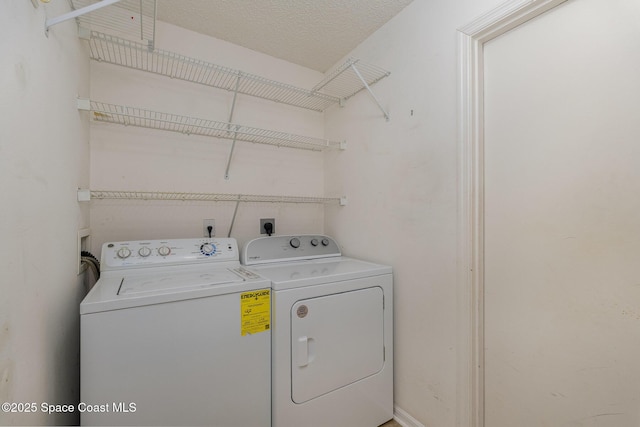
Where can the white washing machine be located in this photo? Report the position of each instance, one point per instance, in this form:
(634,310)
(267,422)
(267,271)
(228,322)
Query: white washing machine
(332,333)
(176,332)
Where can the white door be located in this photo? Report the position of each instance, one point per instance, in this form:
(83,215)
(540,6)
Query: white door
(562,219)
(336,340)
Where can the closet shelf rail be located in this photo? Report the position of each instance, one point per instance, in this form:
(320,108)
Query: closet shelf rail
(139,117)
(86,195)
(342,83)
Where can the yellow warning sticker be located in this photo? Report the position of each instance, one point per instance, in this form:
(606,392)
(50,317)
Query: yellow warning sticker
(255,311)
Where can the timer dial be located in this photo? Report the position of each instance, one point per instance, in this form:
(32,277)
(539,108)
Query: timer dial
(164,250)
(295,243)
(123,253)
(208,249)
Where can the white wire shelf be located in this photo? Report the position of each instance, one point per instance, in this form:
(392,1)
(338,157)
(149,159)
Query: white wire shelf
(338,86)
(133,19)
(344,82)
(86,195)
(133,116)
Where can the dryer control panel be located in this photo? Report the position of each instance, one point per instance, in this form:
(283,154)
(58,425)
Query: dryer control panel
(289,248)
(134,254)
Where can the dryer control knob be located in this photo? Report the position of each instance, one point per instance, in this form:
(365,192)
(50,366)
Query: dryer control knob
(144,251)
(314,242)
(295,243)
(164,250)
(123,253)
(325,242)
(208,249)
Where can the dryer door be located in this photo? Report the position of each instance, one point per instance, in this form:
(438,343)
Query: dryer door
(336,340)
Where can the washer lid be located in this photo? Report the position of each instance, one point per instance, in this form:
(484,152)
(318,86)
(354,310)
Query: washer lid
(115,290)
(183,282)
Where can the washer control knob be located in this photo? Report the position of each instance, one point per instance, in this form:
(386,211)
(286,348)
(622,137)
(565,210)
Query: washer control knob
(164,250)
(123,253)
(295,243)
(208,249)
(325,242)
(144,251)
(314,242)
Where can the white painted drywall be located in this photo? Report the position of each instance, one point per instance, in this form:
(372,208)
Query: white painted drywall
(127,158)
(562,293)
(400,177)
(44,156)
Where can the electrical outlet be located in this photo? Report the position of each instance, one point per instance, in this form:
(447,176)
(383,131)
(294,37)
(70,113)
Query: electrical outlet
(206,223)
(263,221)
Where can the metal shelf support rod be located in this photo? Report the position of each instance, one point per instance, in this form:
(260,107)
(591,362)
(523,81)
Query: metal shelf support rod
(233,219)
(79,12)
(366,86)
(235,135)
(233,145)
(235,96)
(151,43)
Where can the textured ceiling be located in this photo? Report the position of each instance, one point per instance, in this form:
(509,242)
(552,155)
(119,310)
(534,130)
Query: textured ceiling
(312,33)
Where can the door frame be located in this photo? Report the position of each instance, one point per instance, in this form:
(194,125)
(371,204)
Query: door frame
(470,256)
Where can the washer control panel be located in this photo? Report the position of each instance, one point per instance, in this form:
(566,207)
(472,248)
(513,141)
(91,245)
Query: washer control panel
(286,248)
(140,253)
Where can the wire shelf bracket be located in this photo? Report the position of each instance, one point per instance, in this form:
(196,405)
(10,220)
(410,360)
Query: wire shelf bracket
(351,78)
(78,12)
(235,135)
(364,83)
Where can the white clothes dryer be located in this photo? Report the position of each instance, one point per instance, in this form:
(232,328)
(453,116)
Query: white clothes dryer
(176,332)
(332,332)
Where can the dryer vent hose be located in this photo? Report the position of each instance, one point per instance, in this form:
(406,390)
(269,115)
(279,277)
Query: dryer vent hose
(91,262)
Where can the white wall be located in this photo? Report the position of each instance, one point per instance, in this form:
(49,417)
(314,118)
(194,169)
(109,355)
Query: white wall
(127,158)
(400,178)
(43,160)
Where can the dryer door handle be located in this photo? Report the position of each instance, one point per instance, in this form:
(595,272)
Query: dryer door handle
(304,350)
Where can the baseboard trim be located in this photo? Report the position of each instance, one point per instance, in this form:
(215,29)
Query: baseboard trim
(403,418)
